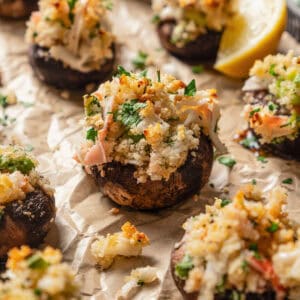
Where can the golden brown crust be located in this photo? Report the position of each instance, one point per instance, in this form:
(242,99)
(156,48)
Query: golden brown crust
(121,186)
(17,8)
(205,47)
(54,72)
(27,221)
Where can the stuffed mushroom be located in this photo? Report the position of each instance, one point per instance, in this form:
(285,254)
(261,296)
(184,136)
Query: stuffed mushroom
(17,8)
(37,275)
(70,42)
(192,29)
(149,140)
(244,248)
(272,110)
(27,208)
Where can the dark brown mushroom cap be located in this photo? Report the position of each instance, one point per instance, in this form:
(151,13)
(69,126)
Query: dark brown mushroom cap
(55,73)
(205,47)
(26,221)
(17,8)
(288,149)
(178,254)
(121,186)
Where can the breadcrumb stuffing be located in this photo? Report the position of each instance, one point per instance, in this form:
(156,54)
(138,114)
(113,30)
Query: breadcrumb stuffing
(128,242)
(244,244)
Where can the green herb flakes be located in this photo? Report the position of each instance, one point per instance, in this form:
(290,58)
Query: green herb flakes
(37,292)
(287,181)
(254,111)
(198,69)
(272,70)
(273,227)
(37,262)
(91,134)
(140,282)
(235,295)
(225,202)
(190,89)
(155,19)
(262,159)
(245,266)
(22,164)
(182,268)
(227,161)
(128,114)
(158,75)
(253,181)
(122,71)
(272,106)
(92,105)
(140,60)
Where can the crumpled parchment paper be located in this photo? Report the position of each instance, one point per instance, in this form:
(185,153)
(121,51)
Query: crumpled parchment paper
(50,122)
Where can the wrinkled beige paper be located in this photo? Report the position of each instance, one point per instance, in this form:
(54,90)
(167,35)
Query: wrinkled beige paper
(52,126)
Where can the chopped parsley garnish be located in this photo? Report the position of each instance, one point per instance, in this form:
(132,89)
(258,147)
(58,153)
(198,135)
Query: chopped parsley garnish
(71,4)
(140,60)
(220,288)
(272,106)
(235,295)
(158,75)
(253,247)
(91,134)
(262,159)
(140,282)
(37,292)
(287,181)
(135,137)
(182,268)
(22,164)
(122,71)
(198,69)
(250,141)
(5,120)
(297,78)
(272,70)
(227,161)
(144,73)
(245,266)
(254,111)
(155,19)
(37,262)
(92,105)
(273,227)
(225,202)
(190,89)
(108,4)
(128,114)
(254,182)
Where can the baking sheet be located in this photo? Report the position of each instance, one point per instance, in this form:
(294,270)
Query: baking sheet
(50,122)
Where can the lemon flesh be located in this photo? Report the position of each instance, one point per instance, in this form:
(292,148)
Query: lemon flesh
(254,32)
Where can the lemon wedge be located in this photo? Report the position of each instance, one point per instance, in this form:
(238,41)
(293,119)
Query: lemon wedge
(254,32)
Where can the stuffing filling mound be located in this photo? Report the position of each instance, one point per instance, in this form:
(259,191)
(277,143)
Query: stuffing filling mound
(75,32)
(150,123)
(18,176)
(194,17)
(128,242)
(243,245)
(274,115)
(37,275)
